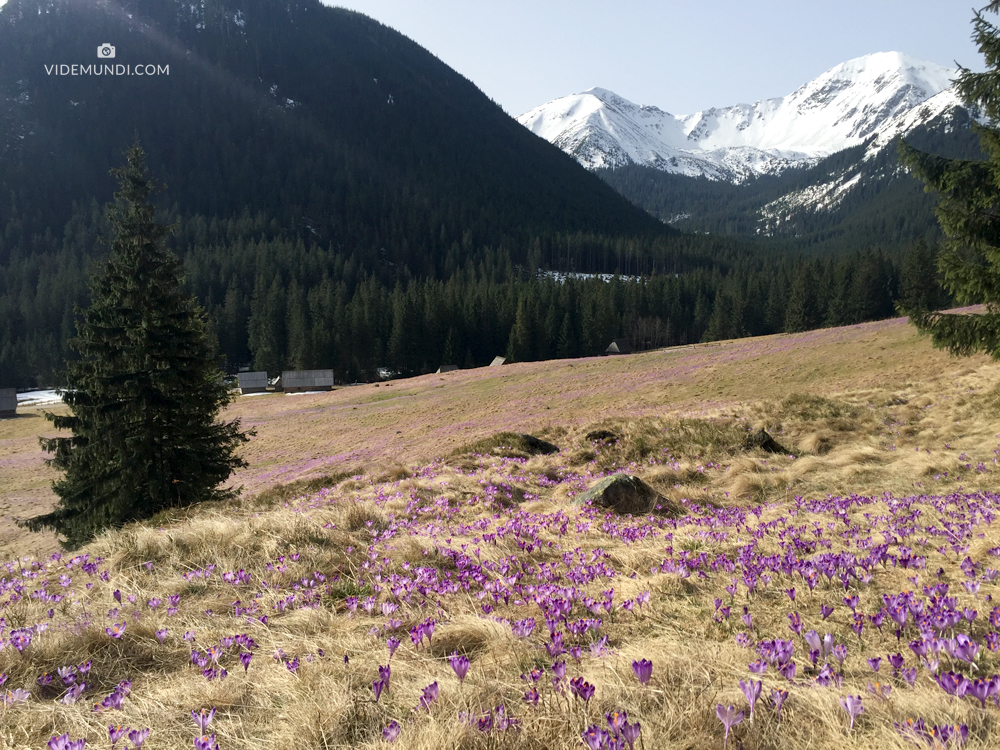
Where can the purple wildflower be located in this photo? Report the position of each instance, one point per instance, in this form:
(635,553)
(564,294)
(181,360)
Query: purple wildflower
(643,670)
(729,719)
(852,704)
(460,665)
(391,731)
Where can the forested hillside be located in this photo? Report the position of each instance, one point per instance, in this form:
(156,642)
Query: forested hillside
(856,198)
(344,199)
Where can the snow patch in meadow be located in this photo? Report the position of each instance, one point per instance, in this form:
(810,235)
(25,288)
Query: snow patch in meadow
(38,398)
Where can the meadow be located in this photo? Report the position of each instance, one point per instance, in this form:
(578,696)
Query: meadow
(401,572)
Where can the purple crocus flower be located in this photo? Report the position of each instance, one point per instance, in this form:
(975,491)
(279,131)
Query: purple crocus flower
(245,658)
(117,630)
(825,611)
(115,733)
(202,719)
(377,687)
(559,668)
(460,665)
(729,719)
(643,670)
(138,736)
(787,671)
(594,737)
(161,635)
(581,689)
(751,690)
(778,698)
(852,704)
(630,733)
(73,694)
(875,663)
(63,742)
(391,731)
(795,623)
(392,644)
(429,695)
(206,742)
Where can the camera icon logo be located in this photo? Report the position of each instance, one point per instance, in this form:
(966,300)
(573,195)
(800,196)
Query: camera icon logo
(106,51)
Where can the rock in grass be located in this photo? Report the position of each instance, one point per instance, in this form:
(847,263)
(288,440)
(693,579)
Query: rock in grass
(624,494)
(760,439)
(511,444)
(602,436)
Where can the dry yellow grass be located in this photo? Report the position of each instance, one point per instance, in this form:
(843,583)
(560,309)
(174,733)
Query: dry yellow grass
(868,410)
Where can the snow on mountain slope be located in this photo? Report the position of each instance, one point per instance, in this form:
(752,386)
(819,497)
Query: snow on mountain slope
(875,95)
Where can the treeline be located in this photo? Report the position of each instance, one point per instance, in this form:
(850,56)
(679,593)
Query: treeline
(490,309)
(276,302)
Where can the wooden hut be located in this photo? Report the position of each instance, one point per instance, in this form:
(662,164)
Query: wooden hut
(297,381)
(446,368)
(497,361)
(252,382)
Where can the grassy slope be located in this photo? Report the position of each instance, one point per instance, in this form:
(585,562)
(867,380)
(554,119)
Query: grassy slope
(834,397)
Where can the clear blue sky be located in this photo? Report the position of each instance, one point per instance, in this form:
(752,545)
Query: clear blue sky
(680,55)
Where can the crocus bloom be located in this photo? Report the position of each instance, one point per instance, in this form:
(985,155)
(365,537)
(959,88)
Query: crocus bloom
(202,719)
(852,704)
(630,733)
(391,731)
(729,719)
(643,670)
(16,696)
(138,736)
(595,737)
(63,742)
(616,720)
(116,733)
(429,695)
(751,690)
(778,698)
(460,665)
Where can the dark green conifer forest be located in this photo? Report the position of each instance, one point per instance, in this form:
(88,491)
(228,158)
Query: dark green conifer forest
(344,199)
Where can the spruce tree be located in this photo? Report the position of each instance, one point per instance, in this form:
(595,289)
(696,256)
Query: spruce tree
(968,212)
(146,389)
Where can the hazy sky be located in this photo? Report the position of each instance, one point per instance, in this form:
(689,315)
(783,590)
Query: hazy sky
(680,55)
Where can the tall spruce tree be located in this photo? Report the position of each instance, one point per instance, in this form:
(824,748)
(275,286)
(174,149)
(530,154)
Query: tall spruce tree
(969,211)
(146,389)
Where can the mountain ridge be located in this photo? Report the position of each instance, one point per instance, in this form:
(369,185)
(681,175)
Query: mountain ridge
(868,97)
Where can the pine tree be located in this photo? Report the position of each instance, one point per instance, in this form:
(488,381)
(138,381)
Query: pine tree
(969,259)
(145,390)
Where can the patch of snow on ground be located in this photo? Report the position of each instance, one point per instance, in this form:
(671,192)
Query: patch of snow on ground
(38,398)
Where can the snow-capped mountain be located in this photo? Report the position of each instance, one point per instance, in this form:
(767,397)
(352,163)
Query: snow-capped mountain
(881,95)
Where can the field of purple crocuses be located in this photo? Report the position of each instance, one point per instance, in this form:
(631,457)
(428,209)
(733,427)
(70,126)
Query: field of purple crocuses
(846,594)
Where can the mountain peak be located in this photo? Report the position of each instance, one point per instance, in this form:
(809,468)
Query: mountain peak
(841,108)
